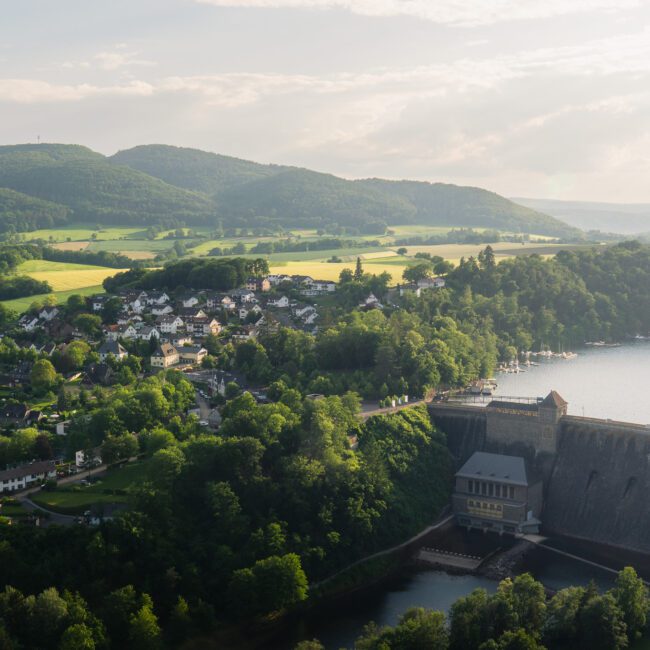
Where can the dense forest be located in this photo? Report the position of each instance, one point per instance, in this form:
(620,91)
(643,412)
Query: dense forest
(228,526)
(50,184)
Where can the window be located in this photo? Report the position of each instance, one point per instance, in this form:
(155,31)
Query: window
(483,488)
(491,489)
(497,490)
(470,486)
(512,492)
(499,507)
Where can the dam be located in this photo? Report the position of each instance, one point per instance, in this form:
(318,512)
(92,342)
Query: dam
(595,473)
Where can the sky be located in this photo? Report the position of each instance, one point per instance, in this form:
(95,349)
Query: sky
(536,98)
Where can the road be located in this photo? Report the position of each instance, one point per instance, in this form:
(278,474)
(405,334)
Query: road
(55,517)
(398,547)
(369,409)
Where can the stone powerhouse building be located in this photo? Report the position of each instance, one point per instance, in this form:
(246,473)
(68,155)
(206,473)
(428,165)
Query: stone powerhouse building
(495,492)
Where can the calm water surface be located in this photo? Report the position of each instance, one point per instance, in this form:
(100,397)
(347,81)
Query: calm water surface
(605,383)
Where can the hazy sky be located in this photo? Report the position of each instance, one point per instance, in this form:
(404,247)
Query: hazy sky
(545,98)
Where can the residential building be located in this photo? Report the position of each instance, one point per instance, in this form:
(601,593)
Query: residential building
(112,348)
(281,303)
(258,284)
(192,354)
(18,478)
(495,492)
(170,324)
(147,333)
(162,310)
(48,313)
(165,356)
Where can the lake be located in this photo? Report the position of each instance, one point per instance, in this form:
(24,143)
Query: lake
(600,382)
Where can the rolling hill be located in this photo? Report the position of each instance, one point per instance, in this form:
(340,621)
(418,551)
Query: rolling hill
(22,212)
(94,190)
(193,169)
(156,184)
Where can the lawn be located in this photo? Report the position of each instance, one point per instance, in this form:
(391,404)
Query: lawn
(21,305)
(73,500)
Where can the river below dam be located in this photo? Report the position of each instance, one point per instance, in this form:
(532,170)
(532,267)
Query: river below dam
(601,382)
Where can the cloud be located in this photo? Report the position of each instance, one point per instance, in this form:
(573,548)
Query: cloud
(466,13)
(114,59)
(34,91)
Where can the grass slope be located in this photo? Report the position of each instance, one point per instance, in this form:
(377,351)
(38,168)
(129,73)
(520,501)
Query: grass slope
(21,305)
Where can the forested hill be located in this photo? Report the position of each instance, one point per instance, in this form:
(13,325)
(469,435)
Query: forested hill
(170,185)
(193,169)
(91,189)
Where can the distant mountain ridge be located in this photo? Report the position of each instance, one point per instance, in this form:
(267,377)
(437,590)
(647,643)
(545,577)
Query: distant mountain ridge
(153,184)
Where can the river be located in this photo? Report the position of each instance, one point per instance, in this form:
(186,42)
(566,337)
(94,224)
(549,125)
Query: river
(599,382)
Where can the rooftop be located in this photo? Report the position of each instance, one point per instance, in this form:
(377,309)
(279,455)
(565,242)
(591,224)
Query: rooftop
(498,467)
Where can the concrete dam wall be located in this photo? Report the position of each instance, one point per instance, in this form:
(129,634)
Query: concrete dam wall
(596,473)
(600,484)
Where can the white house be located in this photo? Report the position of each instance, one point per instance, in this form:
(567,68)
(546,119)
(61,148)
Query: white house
(147,333)
(48,313)
(127,332)
(242,295)
(280,303)
(162,310)
(189,301)
(21,477)
(156,298)
(114,348)
(28,323)
(413,289)
(170,324)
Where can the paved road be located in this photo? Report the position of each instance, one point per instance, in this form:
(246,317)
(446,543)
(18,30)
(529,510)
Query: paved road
(368,410)
(55,517)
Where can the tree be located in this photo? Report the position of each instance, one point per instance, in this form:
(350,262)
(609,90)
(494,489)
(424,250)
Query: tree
(417,272)
(402,251)
(631,595)
(117,448)
(602,624)
(269,585)
(43,376)
(358,270)
(77,637)
(144,631)
(89,324)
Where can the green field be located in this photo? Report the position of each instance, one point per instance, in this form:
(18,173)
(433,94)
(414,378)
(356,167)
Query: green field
(45,266)
(64,276)
(75,500)
(80,233)
(21,305)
